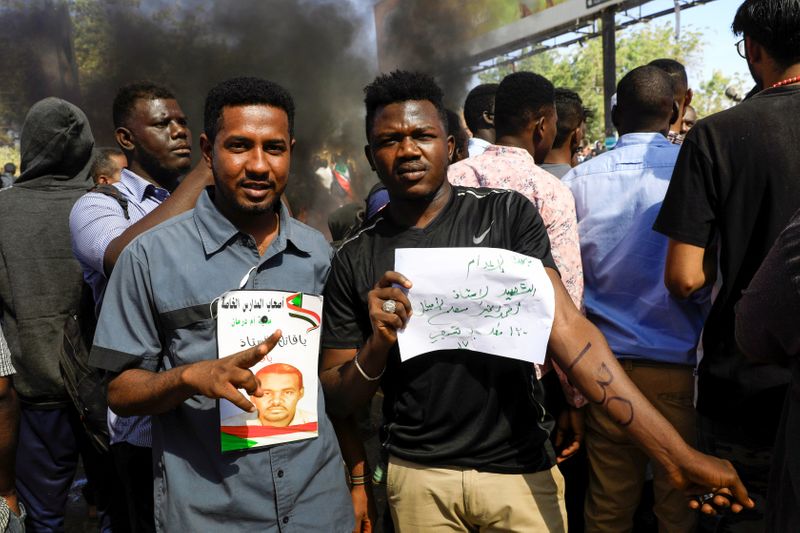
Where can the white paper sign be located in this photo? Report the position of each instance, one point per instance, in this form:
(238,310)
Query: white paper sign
(288,374)
(480,299)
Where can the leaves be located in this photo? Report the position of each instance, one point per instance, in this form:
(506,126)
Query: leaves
(710,97)
(580,68)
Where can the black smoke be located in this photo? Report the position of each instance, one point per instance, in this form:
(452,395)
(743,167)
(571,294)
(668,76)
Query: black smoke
(83,50)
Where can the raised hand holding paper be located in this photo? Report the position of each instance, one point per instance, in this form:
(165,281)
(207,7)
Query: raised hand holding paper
(287,411)
(481,299)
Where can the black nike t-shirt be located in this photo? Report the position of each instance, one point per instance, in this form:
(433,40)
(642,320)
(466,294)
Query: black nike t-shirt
(736,184)
(449,407)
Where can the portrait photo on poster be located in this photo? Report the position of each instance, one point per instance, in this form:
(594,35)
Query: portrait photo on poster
(287,409)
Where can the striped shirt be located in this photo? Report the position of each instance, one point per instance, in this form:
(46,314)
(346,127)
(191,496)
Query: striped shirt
(6,368)
(95,221)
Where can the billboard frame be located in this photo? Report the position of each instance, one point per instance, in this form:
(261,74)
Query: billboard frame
(540,26)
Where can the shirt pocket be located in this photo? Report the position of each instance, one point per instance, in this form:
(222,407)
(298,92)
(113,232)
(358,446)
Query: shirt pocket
(190,335)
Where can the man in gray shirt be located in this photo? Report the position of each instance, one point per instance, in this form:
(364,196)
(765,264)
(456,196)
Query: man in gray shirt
(157,333)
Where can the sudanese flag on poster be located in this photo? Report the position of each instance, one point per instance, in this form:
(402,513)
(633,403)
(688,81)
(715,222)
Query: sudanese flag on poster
(287,410)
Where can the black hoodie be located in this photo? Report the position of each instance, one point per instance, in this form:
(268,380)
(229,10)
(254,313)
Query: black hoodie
(40,280)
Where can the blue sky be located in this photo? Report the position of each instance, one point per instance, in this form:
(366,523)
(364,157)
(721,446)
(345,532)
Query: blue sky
(713,20)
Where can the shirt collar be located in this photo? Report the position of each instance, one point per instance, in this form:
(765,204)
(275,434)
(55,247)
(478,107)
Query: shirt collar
(216,230)
(140,188)
(477,141)
(630,139)
(509,152)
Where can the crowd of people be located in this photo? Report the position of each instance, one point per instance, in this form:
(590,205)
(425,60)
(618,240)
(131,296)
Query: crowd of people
(671,355)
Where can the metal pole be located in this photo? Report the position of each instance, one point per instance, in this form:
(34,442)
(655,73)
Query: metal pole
(609,66)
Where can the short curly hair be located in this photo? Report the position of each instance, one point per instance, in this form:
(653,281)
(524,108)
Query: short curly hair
(774,24)
(571,114)
(479,99)
(677,72)
(520,97)
(244,91)
(127,95)
(401,86)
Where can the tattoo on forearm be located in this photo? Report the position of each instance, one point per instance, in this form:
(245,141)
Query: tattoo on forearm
(604,382)
(580,356)
(625,404)
(608,380)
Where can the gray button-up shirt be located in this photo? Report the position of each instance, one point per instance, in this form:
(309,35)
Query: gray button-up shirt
(156,316)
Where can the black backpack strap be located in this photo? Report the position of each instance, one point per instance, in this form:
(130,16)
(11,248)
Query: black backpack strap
(116,194)
(87,386)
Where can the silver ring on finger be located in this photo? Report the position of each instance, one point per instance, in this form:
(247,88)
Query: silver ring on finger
(389,306)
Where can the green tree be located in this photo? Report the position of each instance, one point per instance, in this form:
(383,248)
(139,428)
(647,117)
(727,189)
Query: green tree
(710,97)
(580,68)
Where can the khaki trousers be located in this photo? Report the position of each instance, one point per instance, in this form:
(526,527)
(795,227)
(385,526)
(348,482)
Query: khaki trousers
(424,499)
(617,467)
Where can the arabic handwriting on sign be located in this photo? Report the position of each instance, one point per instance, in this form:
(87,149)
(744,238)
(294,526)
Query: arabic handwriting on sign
(515,331)
(444,312)
(491,264)
(501,311)
(469,294)
(443,334)
(426,306)
(519,289)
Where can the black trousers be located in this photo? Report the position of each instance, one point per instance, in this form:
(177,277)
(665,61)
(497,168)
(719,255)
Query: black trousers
(135,467)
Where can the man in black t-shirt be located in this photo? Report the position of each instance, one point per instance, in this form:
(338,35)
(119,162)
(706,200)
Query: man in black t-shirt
(734,188)
(465,431)
(768,332)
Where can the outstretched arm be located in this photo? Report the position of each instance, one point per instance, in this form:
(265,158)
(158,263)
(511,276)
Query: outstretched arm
(583,353)
(143,392)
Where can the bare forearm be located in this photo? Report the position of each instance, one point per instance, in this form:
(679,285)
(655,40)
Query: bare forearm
(355,458)
(586,358)
(183,199)
(353,453)
(9,426)
(345,388)
(142,392)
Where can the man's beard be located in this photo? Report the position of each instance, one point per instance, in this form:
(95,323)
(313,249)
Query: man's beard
(166,177)
(247,209)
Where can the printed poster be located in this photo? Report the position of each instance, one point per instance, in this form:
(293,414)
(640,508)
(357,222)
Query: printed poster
(287,411)
(485,300)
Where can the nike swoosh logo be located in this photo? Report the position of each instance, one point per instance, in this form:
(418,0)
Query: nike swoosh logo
(479,238)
